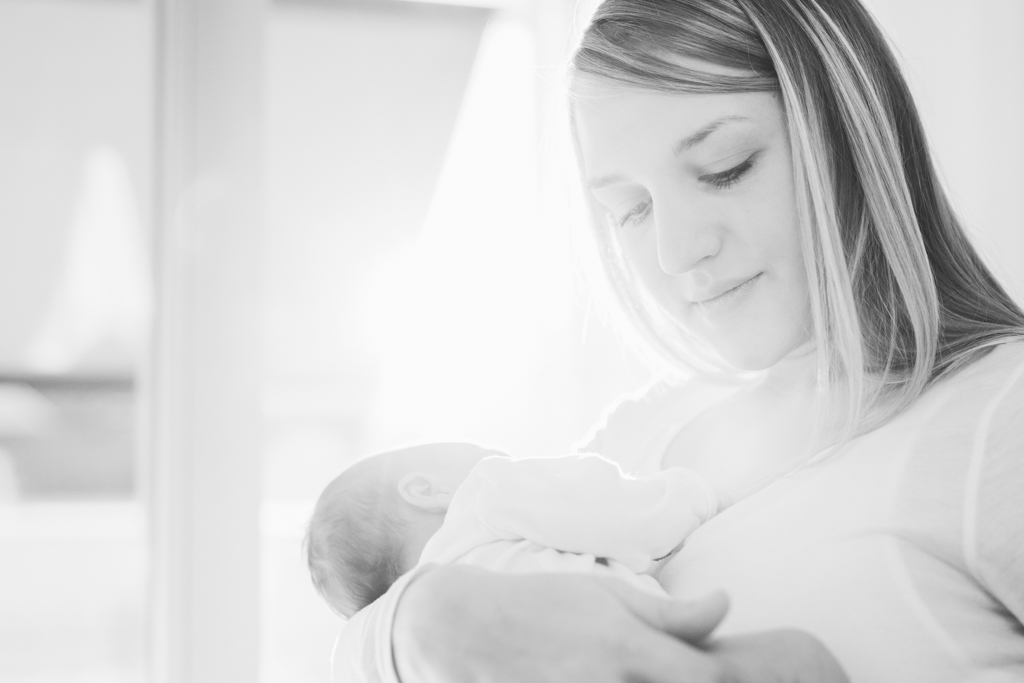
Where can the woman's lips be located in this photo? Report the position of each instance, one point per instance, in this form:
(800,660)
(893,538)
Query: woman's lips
(720,304)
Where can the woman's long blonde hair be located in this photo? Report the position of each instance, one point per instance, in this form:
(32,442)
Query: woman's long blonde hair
(899,297)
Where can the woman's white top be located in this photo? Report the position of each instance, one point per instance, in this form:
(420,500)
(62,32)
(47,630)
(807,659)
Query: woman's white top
(904,553)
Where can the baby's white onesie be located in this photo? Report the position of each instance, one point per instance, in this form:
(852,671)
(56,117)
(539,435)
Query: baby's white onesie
(577,513)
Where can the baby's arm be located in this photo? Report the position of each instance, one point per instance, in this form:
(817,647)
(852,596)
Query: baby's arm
(585,504)
(362,652)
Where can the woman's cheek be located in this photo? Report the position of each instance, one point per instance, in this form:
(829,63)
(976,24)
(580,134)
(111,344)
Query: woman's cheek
(641,253)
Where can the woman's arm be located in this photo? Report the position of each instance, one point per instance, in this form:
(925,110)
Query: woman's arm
(459,624)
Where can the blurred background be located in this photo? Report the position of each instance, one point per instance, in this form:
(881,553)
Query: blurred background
(402,269)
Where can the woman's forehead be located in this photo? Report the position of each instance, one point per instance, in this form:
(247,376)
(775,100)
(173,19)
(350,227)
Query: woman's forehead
(609,116)
(605,97)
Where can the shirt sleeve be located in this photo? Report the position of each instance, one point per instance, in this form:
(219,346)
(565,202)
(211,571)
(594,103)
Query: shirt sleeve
(363,649)
(585,504)
(995,549)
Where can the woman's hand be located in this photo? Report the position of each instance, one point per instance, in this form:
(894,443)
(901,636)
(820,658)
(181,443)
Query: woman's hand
(460,624)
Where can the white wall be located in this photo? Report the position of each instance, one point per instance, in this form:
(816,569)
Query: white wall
(75,78)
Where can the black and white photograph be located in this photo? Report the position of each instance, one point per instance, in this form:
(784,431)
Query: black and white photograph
(511,341)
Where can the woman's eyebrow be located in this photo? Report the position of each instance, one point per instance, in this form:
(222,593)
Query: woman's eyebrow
(680,147)
(703,133)
(605,181)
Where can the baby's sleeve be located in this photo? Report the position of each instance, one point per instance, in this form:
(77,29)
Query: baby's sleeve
(584,504)
(362,651)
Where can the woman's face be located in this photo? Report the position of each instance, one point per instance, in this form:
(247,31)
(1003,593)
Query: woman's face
(699,193)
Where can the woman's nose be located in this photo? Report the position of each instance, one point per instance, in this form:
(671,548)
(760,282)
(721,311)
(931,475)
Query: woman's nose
(686,236)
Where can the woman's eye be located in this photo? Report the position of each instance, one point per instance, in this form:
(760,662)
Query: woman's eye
(731,176)
(635,215)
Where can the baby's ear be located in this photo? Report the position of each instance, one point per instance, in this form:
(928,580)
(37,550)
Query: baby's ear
(425,491)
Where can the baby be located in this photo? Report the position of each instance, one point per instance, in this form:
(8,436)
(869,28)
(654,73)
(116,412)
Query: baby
(455,502)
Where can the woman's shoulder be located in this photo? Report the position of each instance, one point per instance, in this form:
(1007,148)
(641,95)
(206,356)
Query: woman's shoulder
(991,391)
(634,429)
(1001,376)
(1000,358)
(993,383)
(969,427)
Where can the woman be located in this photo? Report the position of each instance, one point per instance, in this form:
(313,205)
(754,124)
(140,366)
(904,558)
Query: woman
(770,219)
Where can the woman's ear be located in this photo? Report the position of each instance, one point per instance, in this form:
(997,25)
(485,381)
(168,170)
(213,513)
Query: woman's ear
(425,491)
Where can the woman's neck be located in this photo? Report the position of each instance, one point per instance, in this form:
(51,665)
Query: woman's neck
(795,375)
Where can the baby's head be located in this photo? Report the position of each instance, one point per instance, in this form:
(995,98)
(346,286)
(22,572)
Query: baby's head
(372,521)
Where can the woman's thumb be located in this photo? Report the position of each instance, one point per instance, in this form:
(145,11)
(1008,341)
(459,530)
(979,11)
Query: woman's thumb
(688,620)
(694,620)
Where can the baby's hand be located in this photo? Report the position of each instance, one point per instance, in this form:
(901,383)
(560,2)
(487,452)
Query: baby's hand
(659,562)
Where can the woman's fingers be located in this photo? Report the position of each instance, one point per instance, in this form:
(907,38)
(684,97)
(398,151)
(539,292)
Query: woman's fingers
(656,657)
(691,621)
(785,655)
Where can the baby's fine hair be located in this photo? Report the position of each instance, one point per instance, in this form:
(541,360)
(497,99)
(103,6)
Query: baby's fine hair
(353,542)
